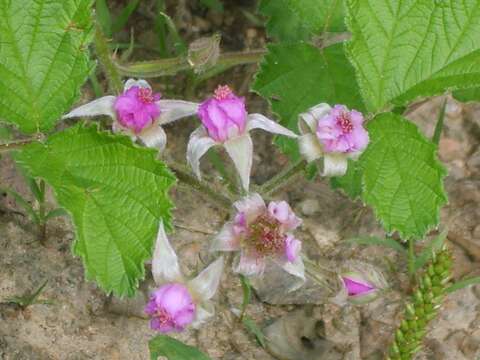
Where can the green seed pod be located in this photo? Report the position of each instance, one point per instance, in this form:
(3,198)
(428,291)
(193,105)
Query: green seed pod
(422,307)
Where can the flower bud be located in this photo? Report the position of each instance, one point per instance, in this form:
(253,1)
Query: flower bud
(171,308)
(224,115)
(362,282)
(203,53)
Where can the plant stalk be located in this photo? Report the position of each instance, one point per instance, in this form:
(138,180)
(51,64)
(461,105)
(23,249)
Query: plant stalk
(171,66)
(104,56)
(283,178)
(191,181)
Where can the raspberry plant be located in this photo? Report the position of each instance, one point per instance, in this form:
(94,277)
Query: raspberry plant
(332,68)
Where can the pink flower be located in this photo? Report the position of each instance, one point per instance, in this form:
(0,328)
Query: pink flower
(342,131)
(138,112)
(262,234)
(225,122)
(136,108)
(223,115)
(336,134)
(171,308)
(180,302)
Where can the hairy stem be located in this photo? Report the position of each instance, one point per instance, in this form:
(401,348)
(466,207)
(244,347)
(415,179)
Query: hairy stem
(42,214)
(104,56)
(411,260)
(191,181)
(283,178)
(15,145)
(171,66)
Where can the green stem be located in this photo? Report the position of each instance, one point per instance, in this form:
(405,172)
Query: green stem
(103,54)
(411,260)
(284,177)
(171,66)
(15,145)
(42,213)
(191,181)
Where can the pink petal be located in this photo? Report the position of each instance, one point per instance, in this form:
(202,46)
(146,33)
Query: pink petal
(356,287)
(251,205)
(292,248)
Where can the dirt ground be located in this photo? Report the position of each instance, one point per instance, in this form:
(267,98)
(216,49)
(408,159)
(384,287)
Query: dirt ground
(76,320)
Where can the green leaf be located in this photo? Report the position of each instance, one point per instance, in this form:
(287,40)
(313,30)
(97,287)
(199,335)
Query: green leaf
(373,240)
(247,293)
(104,17)
(402,177)
(433,247)
(467,95)
(403,50)
(116,194)
(56,213)
(172,349)
(463,284)
(291,20)
(295,77)
(351,182)
(122,19)
(253,328)
(43,59)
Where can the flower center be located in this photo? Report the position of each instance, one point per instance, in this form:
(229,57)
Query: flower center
(163,316)
(145,95)
(222,92)
(265,236)
(345,123)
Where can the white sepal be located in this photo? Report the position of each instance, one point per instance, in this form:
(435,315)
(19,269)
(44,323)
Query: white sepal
(334,164)
(240,150)
(100,106)
(171,110)
(198,145)
(154,137)
(204,312)
(258,121)
(165,267)
(140,83)
(310,147)
(206,283)
(307,121)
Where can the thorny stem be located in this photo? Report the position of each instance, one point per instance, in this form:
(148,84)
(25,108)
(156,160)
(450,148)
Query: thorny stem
(171,66)
(103,54)
(15,145)
(282,178)
(190,180)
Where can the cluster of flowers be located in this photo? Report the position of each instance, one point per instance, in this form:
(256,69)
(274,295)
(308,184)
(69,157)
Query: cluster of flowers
(261,234)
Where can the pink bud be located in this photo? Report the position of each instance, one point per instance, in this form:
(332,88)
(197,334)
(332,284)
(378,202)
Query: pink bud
(292,248)
(357,287)
(171,308)
(342,131)
(283,213)
(136,108)
(224,115)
